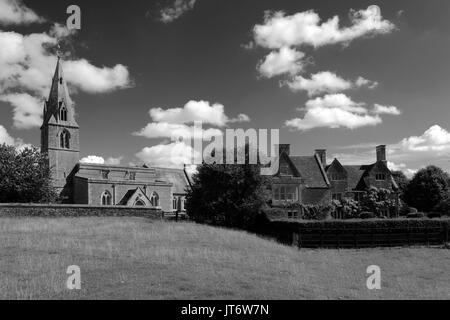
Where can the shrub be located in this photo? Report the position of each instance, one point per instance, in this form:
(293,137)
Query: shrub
(417,215)
(367,215)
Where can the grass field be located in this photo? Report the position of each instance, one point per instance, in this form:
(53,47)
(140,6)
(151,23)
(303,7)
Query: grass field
(132,258)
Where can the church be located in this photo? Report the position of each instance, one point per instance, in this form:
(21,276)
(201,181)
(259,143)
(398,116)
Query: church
(94,184)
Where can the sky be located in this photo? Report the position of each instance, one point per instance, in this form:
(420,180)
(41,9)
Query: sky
(338,75)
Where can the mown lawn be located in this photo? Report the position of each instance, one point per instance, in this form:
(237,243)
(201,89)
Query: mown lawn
(133,258)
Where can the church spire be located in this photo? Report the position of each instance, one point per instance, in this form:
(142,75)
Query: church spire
(59,106)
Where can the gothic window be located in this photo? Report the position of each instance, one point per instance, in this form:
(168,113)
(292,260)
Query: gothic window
(175,203)
(140,203)
(63,113)
(155,199)
(64,139)
(106,198)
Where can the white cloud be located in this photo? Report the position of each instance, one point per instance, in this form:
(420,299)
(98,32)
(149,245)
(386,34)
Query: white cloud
(435,140)
(14,12)
(89,78)
(173,130)
(194,111)
(27,109)
(240,118)
(306,28)
(27,66)
(333,111)
(5,138)
(175,11)
(379,109)
(363,82)
(285,60)
(322,82)
(173,155)
(100,160)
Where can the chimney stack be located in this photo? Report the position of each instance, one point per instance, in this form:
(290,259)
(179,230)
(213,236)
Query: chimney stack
(286,148)
(381,154)
(322,153)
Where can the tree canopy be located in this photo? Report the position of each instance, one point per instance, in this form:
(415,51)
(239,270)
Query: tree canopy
(24,176)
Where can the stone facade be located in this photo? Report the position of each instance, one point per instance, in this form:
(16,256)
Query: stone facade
(100,185)
(310,181)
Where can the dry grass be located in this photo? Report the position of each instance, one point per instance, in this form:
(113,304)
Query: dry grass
(132,258)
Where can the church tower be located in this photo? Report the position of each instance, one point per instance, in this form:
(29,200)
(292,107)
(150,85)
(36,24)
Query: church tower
(60,134)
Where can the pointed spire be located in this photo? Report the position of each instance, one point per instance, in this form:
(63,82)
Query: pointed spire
(59,97)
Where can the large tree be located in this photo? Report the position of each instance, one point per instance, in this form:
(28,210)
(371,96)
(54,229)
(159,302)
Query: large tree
(428,188)
(227,194)
(24,176)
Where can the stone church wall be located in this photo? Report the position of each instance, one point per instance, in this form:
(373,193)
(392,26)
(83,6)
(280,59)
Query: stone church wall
(46,210)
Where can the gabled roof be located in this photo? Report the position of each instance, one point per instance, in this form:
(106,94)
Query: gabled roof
(355,175)
(311,171)
(131,195)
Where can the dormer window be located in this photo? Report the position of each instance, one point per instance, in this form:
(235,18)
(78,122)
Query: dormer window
(380,177)
(336,177)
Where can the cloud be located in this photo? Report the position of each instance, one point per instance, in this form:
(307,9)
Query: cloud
(306,28)
(334,111)
(194,111)
(27,109)
(173,155)
(322,82)
(100,160)
(27,64)
(363,82)
(92,79)
(5,138)
(240,118)
(379,109)
(403,168)
(435,140)
(173,130)
(175,11)
(14,12)
(285,60)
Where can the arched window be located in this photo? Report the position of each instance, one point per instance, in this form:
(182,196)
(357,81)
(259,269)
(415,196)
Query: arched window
(65,139)
(155,199)
(106,198)
(63,113)
(139,203)
(175,203)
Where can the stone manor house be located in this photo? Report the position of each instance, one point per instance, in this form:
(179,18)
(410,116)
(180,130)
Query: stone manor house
(100,185)
(312,180)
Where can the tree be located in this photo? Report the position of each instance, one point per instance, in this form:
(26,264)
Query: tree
(378,201)
(428,188)
(24,176)
(402,182)
(227,194)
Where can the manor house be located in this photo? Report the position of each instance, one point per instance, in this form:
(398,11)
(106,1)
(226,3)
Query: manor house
(94,184)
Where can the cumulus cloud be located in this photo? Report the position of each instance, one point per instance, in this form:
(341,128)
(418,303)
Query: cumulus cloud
(169,130)
(203,111)
(285,60)
(14,12)
(435,140)
(173,155)
(176,10)
(363,82)
(306,28)
(27,109)
(334,111)
(5,138)
(27,65)
(325,82)
(100,160)
(379,109)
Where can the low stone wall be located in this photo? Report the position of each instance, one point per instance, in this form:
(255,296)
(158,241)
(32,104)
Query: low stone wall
(53,210)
